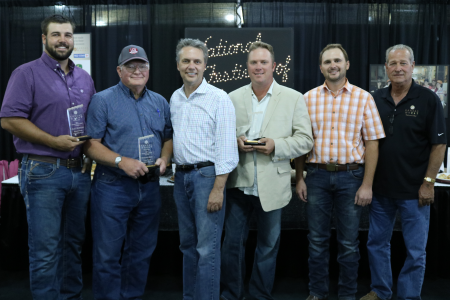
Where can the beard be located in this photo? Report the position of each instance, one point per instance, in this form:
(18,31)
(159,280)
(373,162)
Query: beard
(55,54)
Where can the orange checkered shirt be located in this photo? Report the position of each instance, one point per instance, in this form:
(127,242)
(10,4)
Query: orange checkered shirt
(340,124)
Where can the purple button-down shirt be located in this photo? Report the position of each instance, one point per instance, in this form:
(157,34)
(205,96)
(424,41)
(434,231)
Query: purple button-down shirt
(40,92)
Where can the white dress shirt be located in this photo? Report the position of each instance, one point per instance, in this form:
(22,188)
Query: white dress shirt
(259,111)
(204,128)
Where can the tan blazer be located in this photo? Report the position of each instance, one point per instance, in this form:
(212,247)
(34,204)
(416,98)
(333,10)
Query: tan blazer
(287,122)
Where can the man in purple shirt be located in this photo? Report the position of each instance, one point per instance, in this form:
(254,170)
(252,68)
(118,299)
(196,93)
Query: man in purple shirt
(53,180)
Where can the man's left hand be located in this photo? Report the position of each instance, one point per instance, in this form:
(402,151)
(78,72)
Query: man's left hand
(268,148)
(162,165)
(363,196)
(87,165)
(426,194)
(215,201)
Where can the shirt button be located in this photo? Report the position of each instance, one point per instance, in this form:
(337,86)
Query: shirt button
(57,65)
(54,69)
(73,103)
(70,89)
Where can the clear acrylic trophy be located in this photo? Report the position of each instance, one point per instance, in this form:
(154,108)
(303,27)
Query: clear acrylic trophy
(75,116)
(147,156)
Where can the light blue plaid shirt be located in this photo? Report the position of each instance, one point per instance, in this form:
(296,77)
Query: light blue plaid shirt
(204,128)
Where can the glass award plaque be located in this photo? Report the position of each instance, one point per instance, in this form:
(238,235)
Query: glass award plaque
(146,149)
(75,116)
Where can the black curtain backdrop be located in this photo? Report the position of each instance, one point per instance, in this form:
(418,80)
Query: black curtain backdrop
(365,29)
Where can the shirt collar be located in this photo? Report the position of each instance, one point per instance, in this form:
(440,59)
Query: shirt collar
(127,90)
(347,86)
(54,64)
(269,92)
(412,93)
(201,89)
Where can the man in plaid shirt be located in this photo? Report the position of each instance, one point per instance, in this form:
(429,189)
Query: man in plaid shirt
(340,169)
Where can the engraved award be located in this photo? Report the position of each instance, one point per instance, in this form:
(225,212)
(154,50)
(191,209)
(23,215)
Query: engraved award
(76,122)
(146,155)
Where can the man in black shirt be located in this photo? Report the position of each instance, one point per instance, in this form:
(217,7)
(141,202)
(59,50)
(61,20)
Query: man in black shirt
(409,159)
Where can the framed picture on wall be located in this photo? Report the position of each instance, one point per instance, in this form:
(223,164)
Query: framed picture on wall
(433,77)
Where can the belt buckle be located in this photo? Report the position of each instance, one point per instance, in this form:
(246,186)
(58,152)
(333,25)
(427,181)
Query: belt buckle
(331,167)
(69,162)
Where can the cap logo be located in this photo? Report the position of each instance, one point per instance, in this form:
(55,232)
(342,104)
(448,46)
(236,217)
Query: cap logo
(133,50)
(412,107)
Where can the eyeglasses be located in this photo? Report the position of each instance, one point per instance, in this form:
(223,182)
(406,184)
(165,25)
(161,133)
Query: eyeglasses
(132,68)
(391,120)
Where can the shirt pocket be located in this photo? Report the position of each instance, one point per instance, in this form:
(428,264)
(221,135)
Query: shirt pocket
(80,95)
(157,120)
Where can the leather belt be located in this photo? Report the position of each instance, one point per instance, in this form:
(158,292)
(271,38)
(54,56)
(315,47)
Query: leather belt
(68,163)
(336,167)
(192,167)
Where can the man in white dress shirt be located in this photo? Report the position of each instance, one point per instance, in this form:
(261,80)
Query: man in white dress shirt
(205,151)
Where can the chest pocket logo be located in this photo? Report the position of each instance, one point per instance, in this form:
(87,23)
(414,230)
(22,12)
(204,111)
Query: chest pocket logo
(412,111)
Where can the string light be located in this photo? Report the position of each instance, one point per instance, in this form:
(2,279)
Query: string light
(283,69)
(238,73)
(224,49)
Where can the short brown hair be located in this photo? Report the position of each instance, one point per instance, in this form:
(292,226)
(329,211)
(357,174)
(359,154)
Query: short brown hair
(333,46)
(55,19)
(263,45)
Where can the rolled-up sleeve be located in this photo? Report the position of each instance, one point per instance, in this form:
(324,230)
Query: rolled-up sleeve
(372,126)
(168,130)
(18,100)
(227,156)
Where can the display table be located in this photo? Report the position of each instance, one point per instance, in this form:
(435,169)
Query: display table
(13,228)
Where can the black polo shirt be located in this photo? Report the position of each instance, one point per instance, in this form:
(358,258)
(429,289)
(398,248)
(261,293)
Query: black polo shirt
(418,123)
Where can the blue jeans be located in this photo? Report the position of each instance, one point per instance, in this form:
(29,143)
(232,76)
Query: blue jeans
(328,191)
(415,224)
(200,233)
(238,214)
(124,213)
(56,200)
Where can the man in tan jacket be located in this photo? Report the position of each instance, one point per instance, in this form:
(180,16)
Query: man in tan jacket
(261,181)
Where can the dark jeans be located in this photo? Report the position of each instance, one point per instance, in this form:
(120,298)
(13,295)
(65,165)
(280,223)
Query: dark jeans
(56,199)
(124,213)
(240,208)
(328,191)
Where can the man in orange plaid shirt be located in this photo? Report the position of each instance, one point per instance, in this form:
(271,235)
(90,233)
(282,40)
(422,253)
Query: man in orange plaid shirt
(340,167)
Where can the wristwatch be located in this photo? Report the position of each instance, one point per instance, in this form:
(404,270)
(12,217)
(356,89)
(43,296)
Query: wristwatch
(429,179)
(118,160)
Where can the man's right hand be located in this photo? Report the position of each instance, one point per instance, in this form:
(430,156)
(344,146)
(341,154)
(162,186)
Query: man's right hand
(242,147)
(133,167)
(65,143)
(301,190)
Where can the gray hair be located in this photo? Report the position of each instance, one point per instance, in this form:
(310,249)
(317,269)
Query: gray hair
(192,43)
(400,47)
